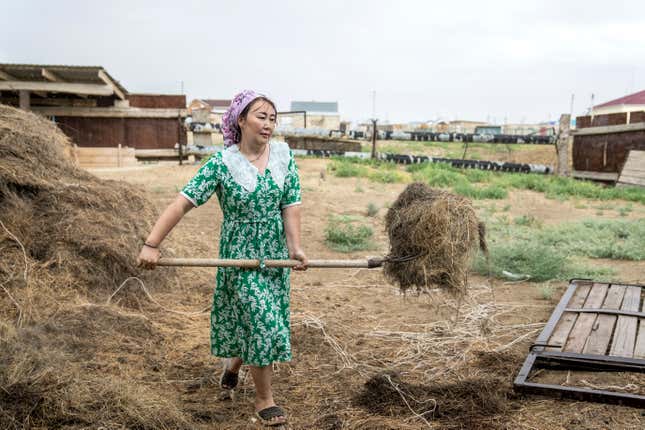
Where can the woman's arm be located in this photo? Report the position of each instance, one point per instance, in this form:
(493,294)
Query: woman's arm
(149,255)
(291,219)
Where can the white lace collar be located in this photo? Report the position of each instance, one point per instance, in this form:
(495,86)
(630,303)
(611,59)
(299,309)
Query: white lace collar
(246,174)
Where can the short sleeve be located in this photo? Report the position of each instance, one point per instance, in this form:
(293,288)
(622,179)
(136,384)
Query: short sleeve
(202,186)
(291,193)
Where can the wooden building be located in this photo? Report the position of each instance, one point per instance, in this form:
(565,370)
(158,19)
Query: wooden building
(602,143)
(93,108)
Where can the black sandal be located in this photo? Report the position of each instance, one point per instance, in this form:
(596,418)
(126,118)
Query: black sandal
(228,380)
(267,414)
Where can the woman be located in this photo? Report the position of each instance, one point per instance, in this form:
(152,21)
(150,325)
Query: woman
(257,184)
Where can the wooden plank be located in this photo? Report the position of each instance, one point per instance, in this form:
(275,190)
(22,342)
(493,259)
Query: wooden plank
(4,76)
(51,76)
(631,180)
(601,176)
(57,87)
(609,129)
(105,78)
(585,322)
(568,319)
(598,340)
(639,348)
(110,112)
(633,172)
(625,333)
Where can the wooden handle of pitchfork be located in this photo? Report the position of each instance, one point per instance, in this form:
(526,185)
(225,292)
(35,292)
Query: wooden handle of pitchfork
(254,264)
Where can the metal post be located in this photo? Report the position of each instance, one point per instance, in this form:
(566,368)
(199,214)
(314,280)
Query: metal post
(181,155)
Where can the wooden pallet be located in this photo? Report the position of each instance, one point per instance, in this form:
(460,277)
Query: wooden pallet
(595,326)
(633,172)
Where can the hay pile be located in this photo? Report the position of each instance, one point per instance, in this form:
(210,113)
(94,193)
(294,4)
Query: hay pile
(440,227)
(84,231)
(67,240)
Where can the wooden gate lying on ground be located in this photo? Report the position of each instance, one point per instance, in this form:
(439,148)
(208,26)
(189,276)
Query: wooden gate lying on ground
(595,327)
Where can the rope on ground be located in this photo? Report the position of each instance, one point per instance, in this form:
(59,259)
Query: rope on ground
(152,299)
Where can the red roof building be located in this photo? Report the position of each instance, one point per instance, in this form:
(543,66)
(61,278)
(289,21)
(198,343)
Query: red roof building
(628,103)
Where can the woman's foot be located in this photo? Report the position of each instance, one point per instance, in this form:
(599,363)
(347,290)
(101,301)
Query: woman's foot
(229,378)
(271,416)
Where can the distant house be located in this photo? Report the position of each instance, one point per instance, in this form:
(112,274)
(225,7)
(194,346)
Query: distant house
(462,126)
(215,107)
(319,114)
(629,103)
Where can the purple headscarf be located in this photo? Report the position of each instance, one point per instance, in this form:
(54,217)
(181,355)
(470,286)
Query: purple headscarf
(230,129)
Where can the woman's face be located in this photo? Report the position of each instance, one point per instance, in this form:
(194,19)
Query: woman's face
(259,123)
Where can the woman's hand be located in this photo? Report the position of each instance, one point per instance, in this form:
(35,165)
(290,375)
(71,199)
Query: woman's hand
(148,257)
(299,254)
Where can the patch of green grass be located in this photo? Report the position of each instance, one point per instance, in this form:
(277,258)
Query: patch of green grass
(486,192)
(445,176)
(387,176)
(604,206)
(615,239)
(345,234)
(538,262)
(624,211)
(476,175)
(527,221)
(439,175)
(347,169)
(506,208)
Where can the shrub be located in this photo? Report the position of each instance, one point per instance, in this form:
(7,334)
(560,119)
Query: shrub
(372,209)
(347,169)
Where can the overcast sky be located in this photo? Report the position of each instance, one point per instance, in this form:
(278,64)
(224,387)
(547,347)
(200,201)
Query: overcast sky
(478,60)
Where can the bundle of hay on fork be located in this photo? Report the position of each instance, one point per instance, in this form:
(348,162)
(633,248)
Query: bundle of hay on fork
(439,228)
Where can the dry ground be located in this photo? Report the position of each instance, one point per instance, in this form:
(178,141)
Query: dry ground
(351,326)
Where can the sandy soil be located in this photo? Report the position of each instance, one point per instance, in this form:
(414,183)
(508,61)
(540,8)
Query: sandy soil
(350,326)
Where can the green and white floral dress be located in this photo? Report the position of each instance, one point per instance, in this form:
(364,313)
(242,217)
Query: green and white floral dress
(250,314)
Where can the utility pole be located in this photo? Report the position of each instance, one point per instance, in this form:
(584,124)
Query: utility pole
(374,132)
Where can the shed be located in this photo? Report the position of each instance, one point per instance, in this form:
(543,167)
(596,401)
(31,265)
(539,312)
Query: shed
(93,108)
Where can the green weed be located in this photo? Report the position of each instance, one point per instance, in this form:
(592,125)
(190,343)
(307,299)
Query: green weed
(345,235)
(546,292)
(372,209)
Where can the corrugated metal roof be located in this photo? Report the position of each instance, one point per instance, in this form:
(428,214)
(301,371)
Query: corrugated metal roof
(329,107)
(631,99)
(74,74)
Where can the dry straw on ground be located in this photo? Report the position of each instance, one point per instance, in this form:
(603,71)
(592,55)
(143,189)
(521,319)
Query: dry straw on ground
(441,228)
(68,239)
